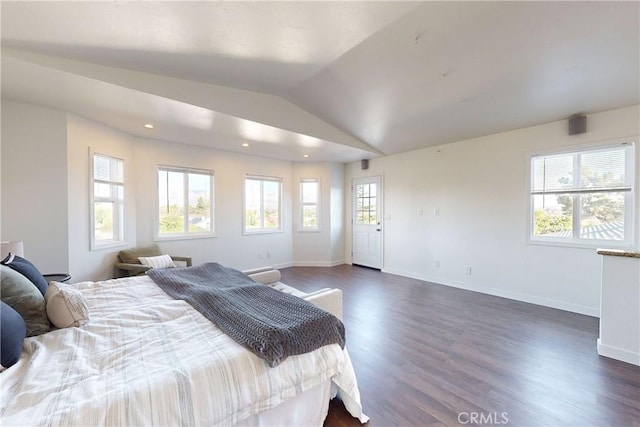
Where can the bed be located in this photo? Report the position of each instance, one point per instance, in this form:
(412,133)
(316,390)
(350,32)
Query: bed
(145,358)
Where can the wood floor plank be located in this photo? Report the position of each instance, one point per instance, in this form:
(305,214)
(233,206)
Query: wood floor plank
(431,355)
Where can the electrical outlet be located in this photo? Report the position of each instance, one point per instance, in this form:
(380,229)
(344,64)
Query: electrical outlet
(436,211)
(467,270)
(268,255)
(436,263)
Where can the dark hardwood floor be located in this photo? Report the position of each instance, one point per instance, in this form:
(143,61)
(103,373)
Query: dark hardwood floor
(427,354)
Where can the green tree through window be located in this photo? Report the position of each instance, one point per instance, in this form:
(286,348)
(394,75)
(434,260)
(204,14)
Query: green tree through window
(185,202)
(262,204)
(583,195)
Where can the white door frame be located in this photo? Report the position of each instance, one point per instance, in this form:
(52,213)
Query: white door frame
(367,240)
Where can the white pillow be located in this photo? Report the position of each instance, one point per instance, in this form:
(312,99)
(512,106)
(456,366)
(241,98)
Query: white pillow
(160,261)
(66,306)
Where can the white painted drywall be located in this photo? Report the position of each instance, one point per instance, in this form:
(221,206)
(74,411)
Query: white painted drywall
(478,186)
(85,135)
(230,247)
(34,183)
(337,208)
(325,247)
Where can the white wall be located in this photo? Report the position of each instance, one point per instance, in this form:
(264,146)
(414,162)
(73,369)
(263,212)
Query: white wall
(479,187)
(325,247)
(83,135)
(34,183)
(230,247)
(337,209)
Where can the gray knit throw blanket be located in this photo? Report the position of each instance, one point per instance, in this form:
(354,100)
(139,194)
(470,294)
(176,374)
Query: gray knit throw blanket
(270,323)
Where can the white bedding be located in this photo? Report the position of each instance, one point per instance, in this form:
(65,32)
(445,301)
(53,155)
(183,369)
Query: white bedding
(146,359)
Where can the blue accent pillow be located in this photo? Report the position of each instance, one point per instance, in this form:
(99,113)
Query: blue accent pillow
(12,332)
(28,270)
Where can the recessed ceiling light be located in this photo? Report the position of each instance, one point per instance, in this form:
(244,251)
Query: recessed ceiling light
(305,156)
(245,144)
(148,126)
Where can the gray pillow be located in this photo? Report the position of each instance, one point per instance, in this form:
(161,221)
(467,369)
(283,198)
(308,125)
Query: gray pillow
(20,294)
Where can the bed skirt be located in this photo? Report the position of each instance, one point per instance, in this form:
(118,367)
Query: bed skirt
(303,410)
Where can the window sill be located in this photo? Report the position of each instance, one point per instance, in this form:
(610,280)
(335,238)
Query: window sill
(176,237)
(253,233)
(109,245)
(592,245)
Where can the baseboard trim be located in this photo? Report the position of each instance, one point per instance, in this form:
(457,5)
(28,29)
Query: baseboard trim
(282,265)
(618,353)
(408,274)
(531,299)
(317,263)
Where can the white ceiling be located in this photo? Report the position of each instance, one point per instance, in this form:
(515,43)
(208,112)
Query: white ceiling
(339,81)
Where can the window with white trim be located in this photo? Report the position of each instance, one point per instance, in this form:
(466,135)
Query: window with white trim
(309,204)
(262,204)
(185,203)
(584,197)
(107,201)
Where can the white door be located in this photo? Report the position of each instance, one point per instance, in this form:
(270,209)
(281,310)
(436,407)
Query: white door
(366,242)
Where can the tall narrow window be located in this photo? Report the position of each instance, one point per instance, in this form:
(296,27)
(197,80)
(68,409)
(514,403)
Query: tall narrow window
(309,202)
(262,204)
(584,197)
(185,202)
(107,201)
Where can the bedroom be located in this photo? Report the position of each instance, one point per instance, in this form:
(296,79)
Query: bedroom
(477,182)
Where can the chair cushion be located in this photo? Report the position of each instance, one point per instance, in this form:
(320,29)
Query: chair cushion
(130,256)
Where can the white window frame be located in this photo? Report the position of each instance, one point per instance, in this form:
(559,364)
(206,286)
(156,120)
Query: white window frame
(262,229)
(315,203)
(118,204)
(185,235)
(628,189)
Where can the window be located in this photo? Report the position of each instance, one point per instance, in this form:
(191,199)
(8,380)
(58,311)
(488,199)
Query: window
(366,204)
(185,203)
(309,199)
(107,201)
(584,197)
(262,204)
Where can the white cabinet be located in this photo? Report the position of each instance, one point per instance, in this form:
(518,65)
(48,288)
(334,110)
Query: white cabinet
(620,306)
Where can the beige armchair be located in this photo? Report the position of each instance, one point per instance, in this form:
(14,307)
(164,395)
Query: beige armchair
(129,264)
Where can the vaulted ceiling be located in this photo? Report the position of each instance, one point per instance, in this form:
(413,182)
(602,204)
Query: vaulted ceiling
(339,81)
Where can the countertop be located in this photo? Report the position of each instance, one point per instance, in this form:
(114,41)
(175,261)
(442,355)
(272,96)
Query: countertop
(618,252)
